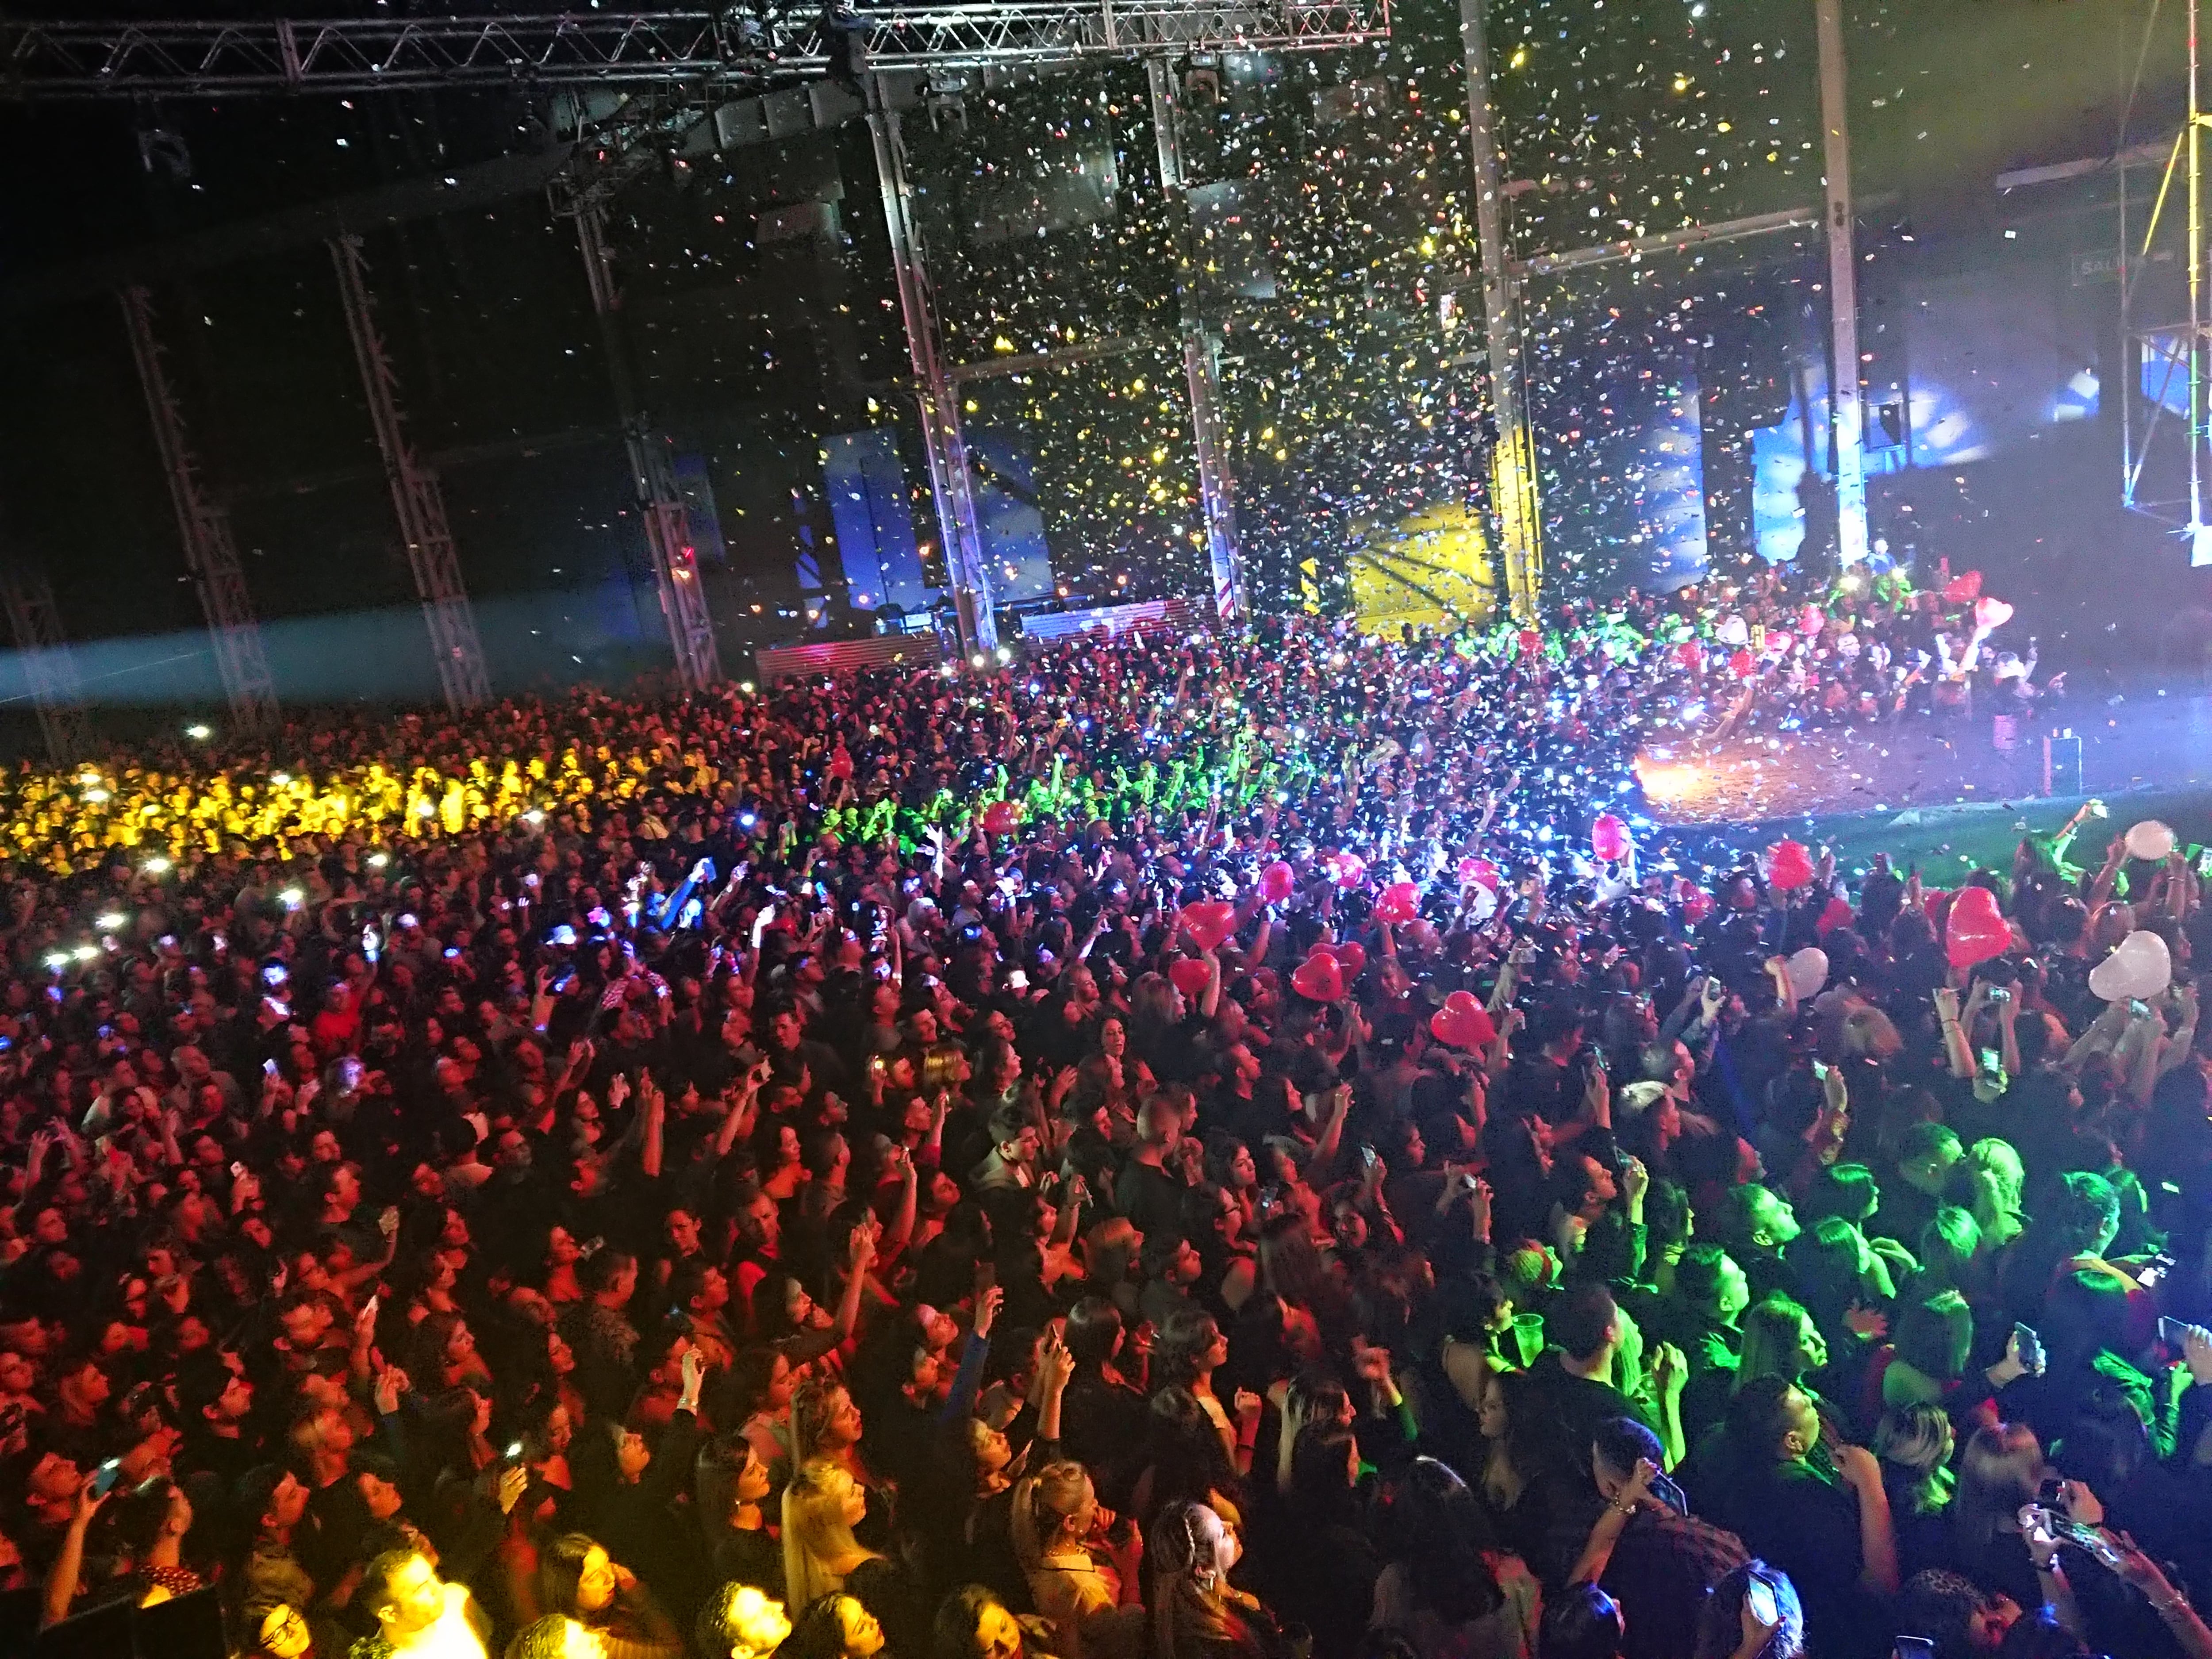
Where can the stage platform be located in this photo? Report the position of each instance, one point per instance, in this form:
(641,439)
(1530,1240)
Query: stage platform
(1938,790)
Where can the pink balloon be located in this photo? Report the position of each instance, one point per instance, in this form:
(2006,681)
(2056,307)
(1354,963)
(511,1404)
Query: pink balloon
(1350,954)
(1189,975)
(1974,931)
(1478,872)
(1463,1023)
(1789,866)
(1609,838)
(1278,882)
(1400,901)
(1318,979)
(1990,614)
(1208,923)
(1347,869)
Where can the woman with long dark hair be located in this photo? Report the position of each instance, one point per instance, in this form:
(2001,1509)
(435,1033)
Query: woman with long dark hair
(1196,1613)
(1449,1585)
(579,1580)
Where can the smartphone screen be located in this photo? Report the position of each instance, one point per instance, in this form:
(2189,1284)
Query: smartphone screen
(1760,1594)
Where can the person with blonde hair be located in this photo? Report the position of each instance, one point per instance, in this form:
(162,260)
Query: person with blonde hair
(1915,1444)
(1079,1577)
(821,1507)
(1196,1613)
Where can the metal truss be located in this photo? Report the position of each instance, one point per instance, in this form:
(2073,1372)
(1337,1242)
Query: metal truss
(205,528)
(50,671)
(417,497)
(667,520)
(951,478)
(1201,361)
(65,59)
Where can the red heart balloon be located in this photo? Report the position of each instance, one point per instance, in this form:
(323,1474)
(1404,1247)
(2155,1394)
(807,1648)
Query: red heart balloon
(1691,656)
(1002,818)
(1838,914)
(1208,923)
(1478,872)
(1788,866)
(1974,931)
(1991,614)
(1740,663)
(1531,642)
(1609,838)
(1190,975)
(841,764)
(1350,955)
(1401,903)
(1697,905)
(1935,905)
(1347,869)
(1318,979)
(1278,882)
(1963,589)
(1468,1027)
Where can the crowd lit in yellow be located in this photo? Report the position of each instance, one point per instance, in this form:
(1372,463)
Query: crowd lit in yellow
(70,820)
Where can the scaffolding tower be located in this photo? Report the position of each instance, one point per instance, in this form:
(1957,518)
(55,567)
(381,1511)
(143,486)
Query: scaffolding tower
(1202,359)
(210,553)
(951,477)
(667,520)
(48,667)
(417,497)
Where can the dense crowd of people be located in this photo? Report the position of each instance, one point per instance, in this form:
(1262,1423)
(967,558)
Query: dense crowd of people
(1171,1147)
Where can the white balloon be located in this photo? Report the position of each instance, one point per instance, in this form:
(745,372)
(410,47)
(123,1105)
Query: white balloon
(1485,902)
(2141,967)
(1735,631)
(2151,840)
(1808,972)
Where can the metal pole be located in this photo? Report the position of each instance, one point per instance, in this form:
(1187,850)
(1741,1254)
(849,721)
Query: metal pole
(1513,473)
(210,553)
(2200,538)
(1202,364)
(950,483)
(1846,408)
(667,522)
(418,501)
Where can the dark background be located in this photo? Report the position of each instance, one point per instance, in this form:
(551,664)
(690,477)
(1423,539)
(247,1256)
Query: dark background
(1346,409)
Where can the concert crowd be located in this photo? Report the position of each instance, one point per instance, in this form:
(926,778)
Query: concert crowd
(1168,1147)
